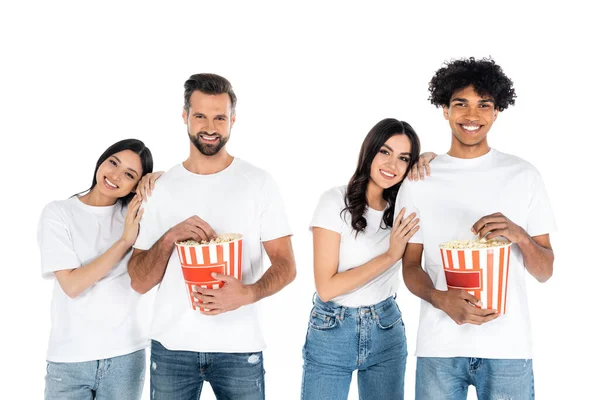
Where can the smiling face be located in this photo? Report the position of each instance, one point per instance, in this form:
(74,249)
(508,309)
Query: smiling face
(119,174)
(470,116)
(209,121)
(391,162)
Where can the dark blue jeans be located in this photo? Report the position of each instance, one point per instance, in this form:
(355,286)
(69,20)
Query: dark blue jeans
(180,375)
(341,340)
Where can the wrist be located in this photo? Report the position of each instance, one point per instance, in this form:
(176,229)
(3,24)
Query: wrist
(252,293)
(435,297)
(124,243)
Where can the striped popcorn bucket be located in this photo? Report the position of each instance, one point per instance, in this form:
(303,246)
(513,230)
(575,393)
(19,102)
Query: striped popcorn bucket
(199,261)
(481,272)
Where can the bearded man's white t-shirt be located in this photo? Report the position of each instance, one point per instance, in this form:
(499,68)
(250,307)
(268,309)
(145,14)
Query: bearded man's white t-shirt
(239,199)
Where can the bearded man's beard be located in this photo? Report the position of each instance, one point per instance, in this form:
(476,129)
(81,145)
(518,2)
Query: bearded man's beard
(208,149)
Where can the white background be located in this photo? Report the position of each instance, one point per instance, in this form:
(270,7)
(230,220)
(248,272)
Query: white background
(312,79)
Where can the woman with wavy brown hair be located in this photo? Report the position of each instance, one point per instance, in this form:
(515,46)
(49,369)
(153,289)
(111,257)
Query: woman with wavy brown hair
(355,323)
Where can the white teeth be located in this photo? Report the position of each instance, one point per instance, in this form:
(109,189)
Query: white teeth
(209,138)
(387,173)
(471,128)
(110,183)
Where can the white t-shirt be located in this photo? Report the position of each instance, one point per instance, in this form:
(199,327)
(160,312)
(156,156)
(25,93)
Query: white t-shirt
(240,199)
(357,250)
(457,194)
(102,322)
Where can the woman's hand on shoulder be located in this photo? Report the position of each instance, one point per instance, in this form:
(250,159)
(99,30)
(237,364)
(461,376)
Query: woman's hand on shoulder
(146,185)
(421,167)
(132,220)
(402,231)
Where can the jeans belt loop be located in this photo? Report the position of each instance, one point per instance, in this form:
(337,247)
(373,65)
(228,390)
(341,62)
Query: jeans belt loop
(373,313)
(342,312)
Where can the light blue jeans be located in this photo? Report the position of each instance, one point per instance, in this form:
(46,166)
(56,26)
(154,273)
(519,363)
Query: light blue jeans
(112,378)
(494,379)
(180,375)
(340,340)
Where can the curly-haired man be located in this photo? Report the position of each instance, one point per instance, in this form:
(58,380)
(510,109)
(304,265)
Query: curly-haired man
(475,190)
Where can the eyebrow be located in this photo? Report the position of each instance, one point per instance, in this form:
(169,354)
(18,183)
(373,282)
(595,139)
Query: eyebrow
(463,100)
(131,169)
(218,115)
(392,150)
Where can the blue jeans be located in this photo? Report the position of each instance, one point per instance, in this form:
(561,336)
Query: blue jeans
(340,340)
(449,378)
(112,378)
(180,375)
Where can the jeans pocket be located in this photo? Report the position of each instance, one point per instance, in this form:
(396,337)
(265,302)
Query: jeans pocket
(389,317)
(322,320)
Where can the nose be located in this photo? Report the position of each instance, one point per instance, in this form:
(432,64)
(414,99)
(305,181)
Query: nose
(210,127)
(472,113)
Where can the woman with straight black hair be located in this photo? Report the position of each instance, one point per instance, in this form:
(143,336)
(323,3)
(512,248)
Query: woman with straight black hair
(355,323)
(96,348)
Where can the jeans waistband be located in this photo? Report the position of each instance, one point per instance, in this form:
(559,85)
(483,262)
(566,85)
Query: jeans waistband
(341,311)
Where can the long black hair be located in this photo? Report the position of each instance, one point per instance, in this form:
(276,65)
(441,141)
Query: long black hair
(356,193)
(135,145)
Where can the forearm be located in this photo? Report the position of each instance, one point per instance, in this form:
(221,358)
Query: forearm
(74,282)
(538,260)
(279,275)
(344,282)
(419,283)
(147,268)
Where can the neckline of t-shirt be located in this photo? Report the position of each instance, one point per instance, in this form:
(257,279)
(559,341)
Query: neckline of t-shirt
(471,161)
(94,209)
(211,176)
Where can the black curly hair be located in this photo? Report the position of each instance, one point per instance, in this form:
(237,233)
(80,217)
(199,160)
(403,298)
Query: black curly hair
(486,77)
(356,192)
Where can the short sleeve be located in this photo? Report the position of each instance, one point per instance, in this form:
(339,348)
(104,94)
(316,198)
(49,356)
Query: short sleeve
(540,218)
(273,219)
(328,214)
(55,242)
(148,233)
(405,199)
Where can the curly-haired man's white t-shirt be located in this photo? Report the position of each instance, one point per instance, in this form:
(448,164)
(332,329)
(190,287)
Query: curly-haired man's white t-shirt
(456,195)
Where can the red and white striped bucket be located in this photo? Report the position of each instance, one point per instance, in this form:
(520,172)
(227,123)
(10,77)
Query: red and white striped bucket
(199,261)
(481,272)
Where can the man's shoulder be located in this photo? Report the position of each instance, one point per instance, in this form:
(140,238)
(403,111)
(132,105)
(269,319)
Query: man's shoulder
(249,171)
(512,160)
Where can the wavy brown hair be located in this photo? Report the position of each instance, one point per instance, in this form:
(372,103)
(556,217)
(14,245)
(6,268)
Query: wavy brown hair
(356,193)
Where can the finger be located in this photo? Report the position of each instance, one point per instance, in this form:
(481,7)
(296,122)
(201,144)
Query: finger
(406,221)
(411,232)
(224,278)
(470,298)
(493,226)
(138,218)
(413,173)
(486,220)
(200,223)
(399,219)
(422,171)
(211,312)
(427,169)
(203,298)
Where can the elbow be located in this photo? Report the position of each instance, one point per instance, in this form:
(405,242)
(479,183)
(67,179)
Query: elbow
(139,287)
(324,294)
(542,278)
(292,272)
(71,291)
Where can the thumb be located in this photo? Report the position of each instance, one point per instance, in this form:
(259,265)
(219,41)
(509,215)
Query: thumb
(221,277)
(472,299)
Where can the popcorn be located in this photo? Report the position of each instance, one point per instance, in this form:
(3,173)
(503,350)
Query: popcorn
(216,240)
(473,244)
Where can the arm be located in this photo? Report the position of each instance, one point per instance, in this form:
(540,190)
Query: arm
(147,267)
(75,281)
(538,256)
(330,283)
(458,304)
(281,272)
